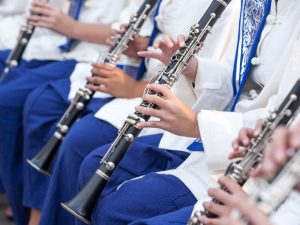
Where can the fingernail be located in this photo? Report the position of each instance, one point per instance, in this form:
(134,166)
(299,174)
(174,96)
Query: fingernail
(245,141)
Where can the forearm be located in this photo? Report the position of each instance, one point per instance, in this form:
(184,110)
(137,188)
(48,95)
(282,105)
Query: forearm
(97,33)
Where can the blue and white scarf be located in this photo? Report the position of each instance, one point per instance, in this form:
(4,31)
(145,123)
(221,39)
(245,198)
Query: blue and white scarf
(252,20)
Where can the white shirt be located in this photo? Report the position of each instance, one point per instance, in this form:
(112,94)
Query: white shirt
(12,16)
(45,43)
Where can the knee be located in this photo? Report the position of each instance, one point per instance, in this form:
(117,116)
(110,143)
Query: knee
(33,103)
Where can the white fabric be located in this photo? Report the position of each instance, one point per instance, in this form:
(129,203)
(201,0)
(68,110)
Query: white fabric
(82,70)
(12,7)
(45,43)
(12,16)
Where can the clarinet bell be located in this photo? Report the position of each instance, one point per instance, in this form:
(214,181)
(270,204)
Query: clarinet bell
(84,203)
(43,160)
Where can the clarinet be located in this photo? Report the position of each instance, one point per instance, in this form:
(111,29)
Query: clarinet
(44,159)
(16,54)
(82,205)
(238,171)
(276,190)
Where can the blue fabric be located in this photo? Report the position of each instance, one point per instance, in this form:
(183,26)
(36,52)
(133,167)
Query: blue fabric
(150,196)
(74,12)
(179,217)
(252,20)
(1,186)
(142,158)
(14,90)
(43,109)
(86,135)
(196,146)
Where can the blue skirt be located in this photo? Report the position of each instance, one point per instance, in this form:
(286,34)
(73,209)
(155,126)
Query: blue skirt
(14,90)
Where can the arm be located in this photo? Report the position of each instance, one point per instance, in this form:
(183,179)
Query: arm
(53,18)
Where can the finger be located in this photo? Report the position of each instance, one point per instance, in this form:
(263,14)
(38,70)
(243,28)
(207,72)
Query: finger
(208,221)
(236,154)
(40,4)
(220,195)
(149,124)
(160,102)
(181,41)
(231,185)
(267,164)
(96,81)
(41,24)
(280,145)
(99,88)
(148,54)
(40,12)
(159,88)
(103,66)
(258,127)
(167,40)
(148,111)
(244,137)
(216,209)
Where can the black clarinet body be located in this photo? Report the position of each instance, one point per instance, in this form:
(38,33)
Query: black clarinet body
(83,204)
(44,159)
(283,116)
(16,54)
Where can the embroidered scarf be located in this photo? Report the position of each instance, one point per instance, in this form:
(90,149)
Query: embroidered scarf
(252,20)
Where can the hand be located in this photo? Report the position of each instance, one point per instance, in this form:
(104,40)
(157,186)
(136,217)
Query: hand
(235,198)
(114,81)
(167,48)
(174,115)
(243,140)
(138,44)
(48,16)
(278,149)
